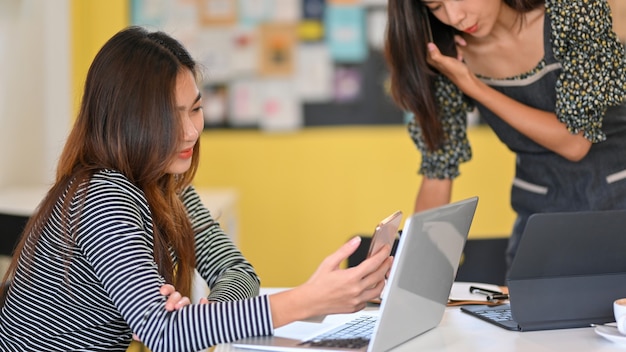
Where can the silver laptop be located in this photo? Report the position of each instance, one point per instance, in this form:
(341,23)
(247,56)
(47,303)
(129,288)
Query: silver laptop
(414,298)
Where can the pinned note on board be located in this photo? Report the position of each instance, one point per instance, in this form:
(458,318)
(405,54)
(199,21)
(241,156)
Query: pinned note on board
(217,12)
(314,73)
(254,12)
(345,33)
(278,44)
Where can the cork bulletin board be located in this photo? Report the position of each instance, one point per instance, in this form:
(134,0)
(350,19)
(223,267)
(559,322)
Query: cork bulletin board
(282,64)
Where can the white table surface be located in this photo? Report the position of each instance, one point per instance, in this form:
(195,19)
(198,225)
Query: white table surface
(21,200)
(460,332)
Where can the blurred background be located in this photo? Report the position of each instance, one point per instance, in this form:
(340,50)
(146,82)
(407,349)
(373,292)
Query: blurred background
(302,147)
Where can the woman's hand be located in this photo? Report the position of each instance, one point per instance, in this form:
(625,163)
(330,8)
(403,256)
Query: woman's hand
(175,301)
(453,68)
(348,290)
(333,290)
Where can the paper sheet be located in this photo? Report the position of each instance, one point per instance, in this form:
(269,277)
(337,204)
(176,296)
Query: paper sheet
(460,291)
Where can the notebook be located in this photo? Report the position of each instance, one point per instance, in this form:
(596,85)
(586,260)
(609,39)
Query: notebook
(568,270)
(415,295)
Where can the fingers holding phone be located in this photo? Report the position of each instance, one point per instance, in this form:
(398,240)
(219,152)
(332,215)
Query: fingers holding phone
(385,233)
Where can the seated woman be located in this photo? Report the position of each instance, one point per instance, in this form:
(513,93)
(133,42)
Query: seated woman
(122,226)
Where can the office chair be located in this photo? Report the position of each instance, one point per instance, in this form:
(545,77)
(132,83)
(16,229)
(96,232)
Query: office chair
(361,252)
(12,226)
(484,260)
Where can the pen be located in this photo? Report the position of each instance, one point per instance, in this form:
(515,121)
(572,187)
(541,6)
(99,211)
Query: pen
(484,291)
(491,294)
(497,297)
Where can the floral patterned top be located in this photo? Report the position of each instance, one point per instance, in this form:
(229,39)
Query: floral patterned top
(592,78)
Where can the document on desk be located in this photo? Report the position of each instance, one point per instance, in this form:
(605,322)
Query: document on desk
(460,294)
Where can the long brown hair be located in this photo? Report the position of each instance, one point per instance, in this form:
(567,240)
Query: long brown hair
(128,122)
(412,79)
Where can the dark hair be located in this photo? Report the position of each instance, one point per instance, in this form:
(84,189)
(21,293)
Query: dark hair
(128,122)
(412,79)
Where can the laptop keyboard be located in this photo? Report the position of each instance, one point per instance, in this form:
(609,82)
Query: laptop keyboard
(497,315)
(353,334)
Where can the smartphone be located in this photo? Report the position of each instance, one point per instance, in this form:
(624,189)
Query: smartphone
(385,233)
(439,33)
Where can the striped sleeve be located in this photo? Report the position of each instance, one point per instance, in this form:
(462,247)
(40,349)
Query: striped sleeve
(228,274)
(116,239)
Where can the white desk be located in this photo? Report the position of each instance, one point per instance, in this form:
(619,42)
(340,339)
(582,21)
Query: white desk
(463,333)
(460,332)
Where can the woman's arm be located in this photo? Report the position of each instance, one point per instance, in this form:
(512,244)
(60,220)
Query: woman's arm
(116,241)
(175,301)
(329,290)
(220,263)
(332,290)
(433,192)
(540,126)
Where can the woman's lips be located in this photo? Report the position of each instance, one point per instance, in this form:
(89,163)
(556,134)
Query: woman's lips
(471,29)
(186,154)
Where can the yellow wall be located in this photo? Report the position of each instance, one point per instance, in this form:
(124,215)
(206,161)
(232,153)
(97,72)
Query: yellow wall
(93,22)
(302,194)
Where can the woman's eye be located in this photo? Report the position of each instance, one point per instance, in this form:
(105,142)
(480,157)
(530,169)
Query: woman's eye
(432,6)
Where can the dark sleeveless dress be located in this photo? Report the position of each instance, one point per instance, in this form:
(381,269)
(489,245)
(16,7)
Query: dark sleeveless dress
(545,181)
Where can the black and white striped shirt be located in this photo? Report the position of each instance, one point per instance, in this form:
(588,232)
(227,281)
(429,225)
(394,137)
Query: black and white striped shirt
(111,288)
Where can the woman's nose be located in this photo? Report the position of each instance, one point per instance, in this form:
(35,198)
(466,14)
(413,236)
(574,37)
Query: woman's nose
(455,13)
(191,133)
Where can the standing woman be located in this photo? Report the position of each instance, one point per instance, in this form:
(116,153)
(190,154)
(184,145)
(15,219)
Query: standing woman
(122,224)
(547,76)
